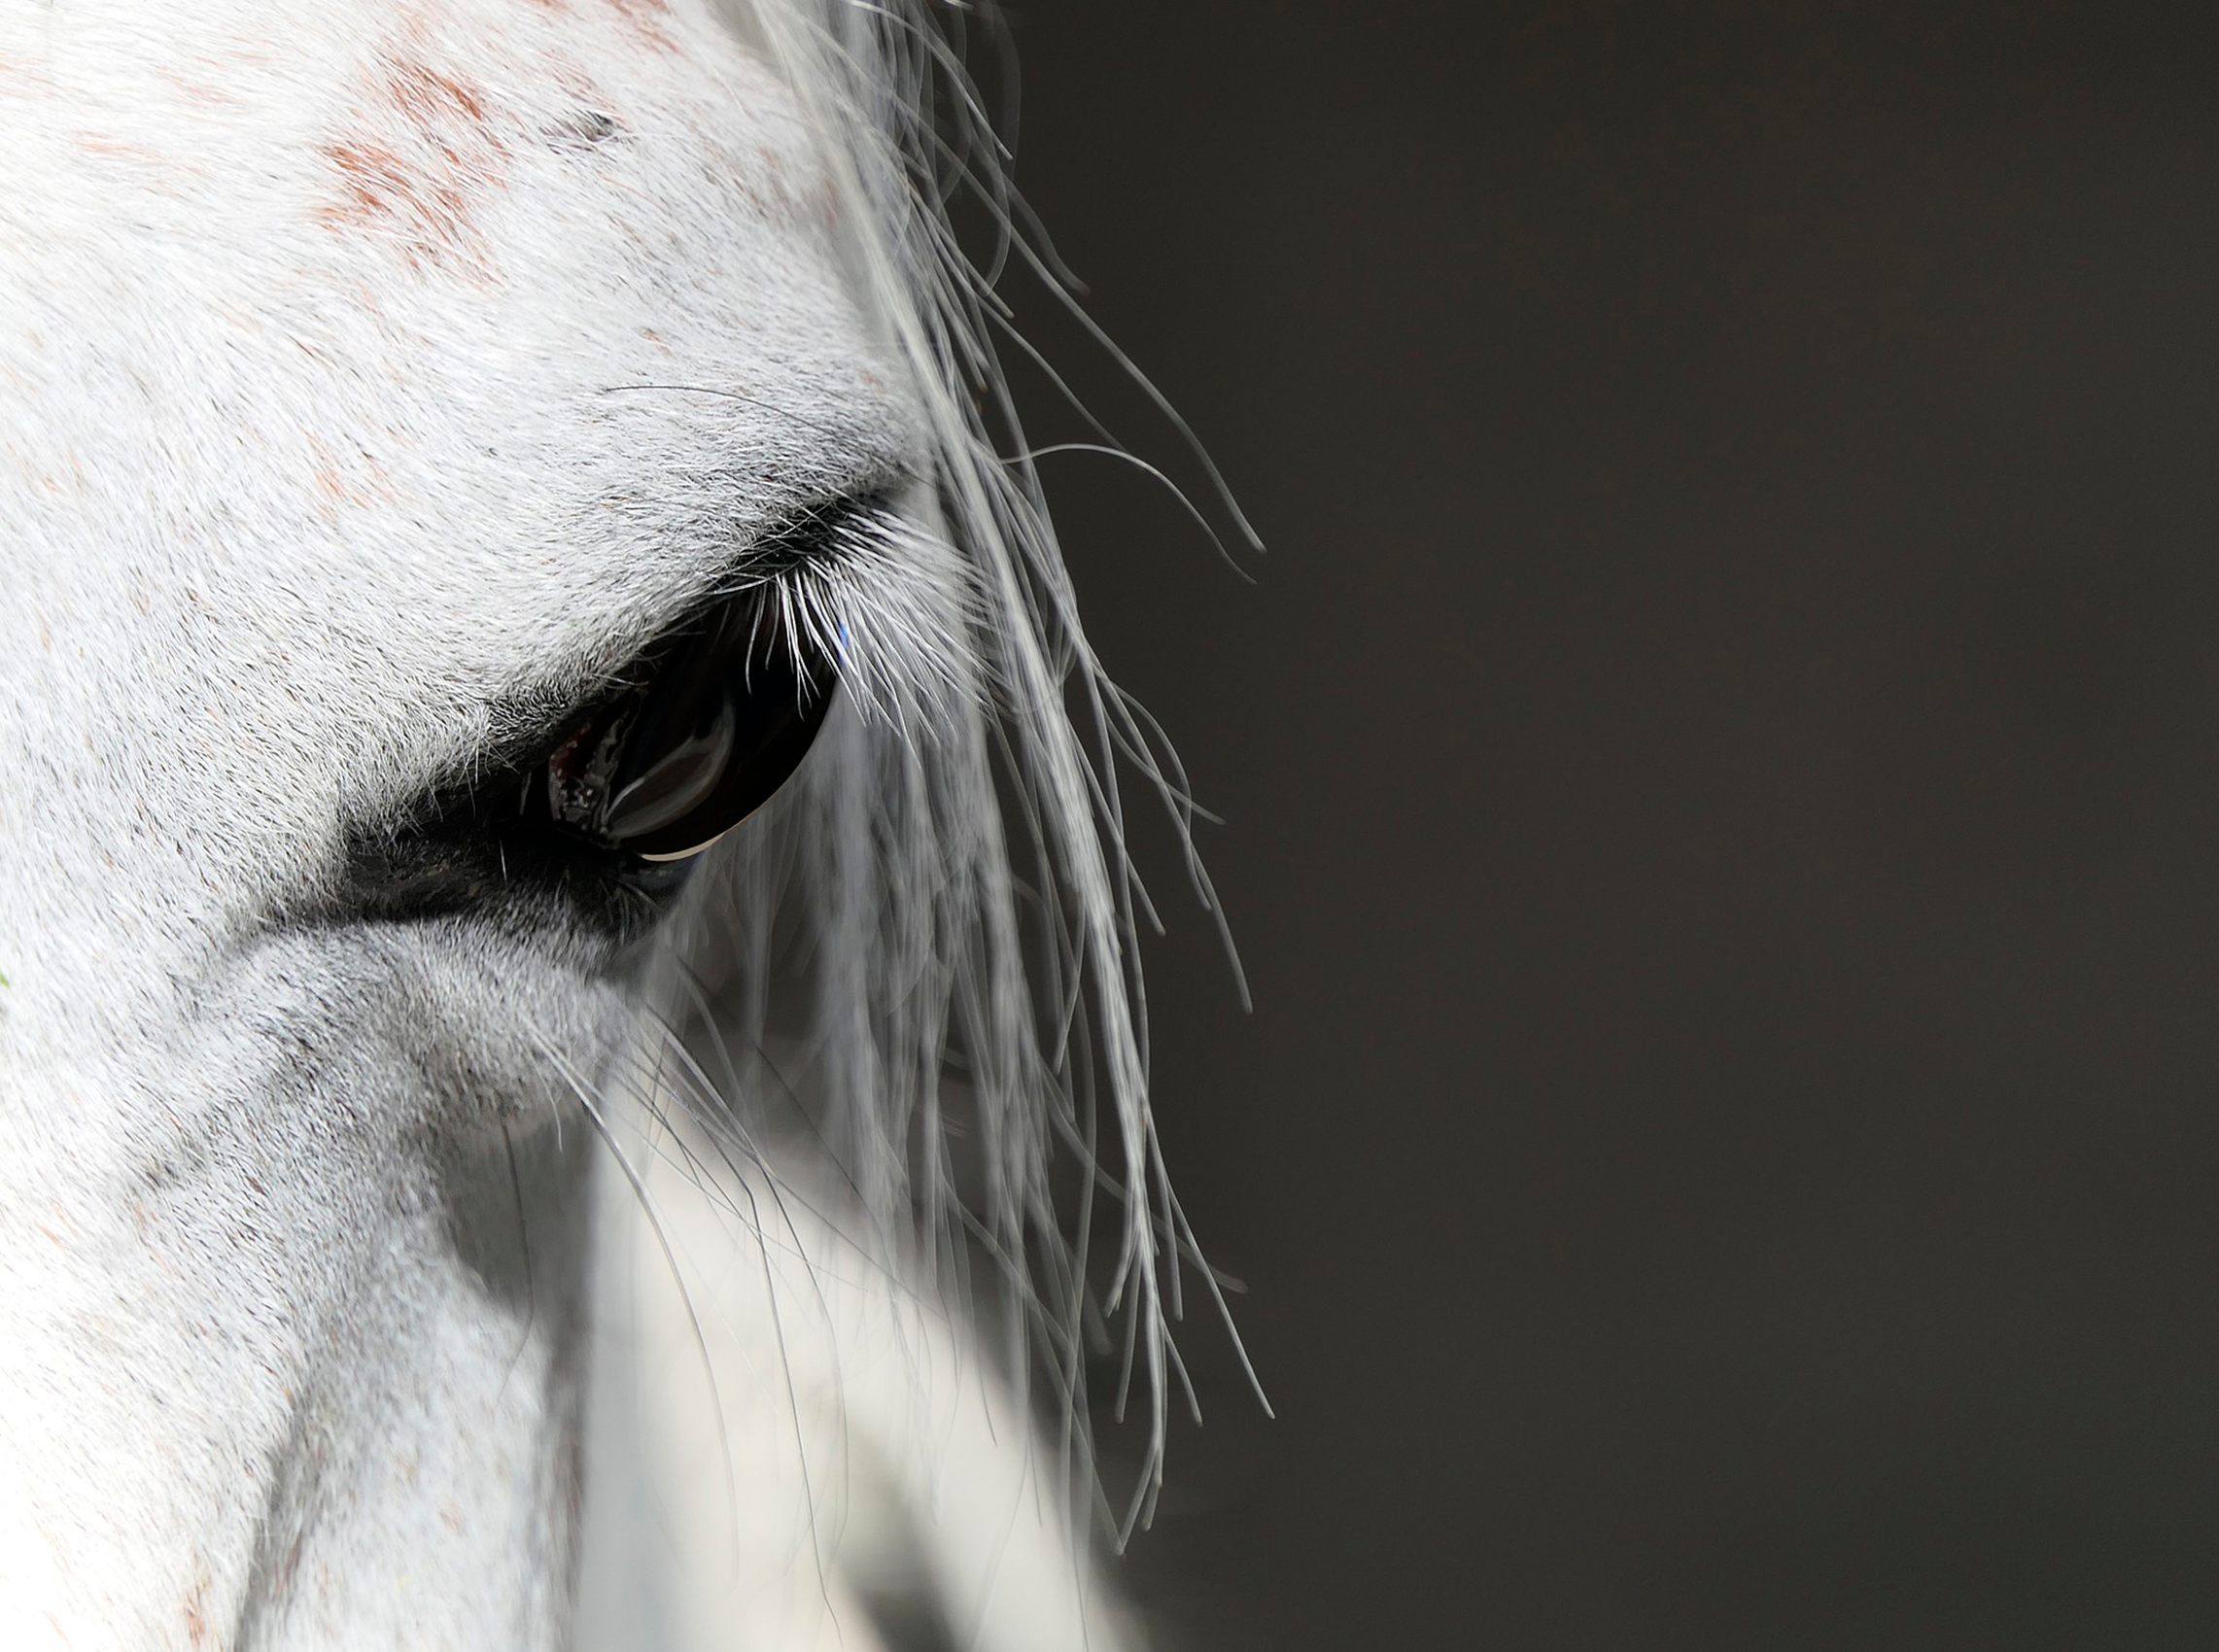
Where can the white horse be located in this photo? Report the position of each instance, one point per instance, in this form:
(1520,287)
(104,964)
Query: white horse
(457,458)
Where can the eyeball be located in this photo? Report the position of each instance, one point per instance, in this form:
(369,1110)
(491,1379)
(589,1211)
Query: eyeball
(718,725)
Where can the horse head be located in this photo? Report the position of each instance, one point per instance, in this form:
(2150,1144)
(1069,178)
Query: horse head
(458,462)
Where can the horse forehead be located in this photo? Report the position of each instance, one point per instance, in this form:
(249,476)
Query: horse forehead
(379,126)
(552,286)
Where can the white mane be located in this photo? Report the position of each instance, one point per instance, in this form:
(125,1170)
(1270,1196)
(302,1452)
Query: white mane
(380,384)
(1026,1013)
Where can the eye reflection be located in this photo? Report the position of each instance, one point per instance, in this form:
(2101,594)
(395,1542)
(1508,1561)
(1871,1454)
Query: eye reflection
(678,783)
(718,724)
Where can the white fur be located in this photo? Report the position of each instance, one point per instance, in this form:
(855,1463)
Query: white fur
(374,377)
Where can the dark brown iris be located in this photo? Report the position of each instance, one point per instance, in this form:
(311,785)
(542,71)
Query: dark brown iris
(716,725)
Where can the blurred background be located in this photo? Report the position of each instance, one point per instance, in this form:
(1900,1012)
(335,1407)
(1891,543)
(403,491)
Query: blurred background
(1720,766)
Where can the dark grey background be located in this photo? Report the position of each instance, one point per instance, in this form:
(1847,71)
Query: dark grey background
(1722,766)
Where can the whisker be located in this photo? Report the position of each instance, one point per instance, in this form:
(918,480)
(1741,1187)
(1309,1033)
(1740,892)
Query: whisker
(585,1095)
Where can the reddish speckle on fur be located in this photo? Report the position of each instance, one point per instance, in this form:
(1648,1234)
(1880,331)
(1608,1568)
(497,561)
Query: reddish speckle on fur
(196,1616)
(337,484)
(770,187)
(646,18)
(199,93)
(573,77)
(427,97)
(116,149)
(421,179)
(431,214)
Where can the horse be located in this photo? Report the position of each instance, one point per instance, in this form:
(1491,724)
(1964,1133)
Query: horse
(549,757)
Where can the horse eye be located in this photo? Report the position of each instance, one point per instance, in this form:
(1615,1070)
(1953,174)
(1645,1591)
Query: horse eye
(718,724)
